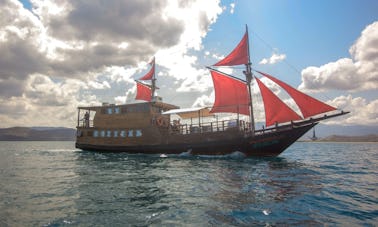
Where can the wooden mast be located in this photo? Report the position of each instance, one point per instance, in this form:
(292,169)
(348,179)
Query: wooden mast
(153,81)
(248,74)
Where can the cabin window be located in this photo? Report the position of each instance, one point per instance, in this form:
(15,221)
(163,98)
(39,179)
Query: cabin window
(108,133)
(131,133)
(115,133)
(142,108)
(102,133)
(131,109)
(123,133)
(117,110)
(138,133)
(95,133)
(109,110)
(124,110)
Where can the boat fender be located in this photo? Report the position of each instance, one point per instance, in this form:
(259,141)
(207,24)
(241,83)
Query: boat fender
(162,122)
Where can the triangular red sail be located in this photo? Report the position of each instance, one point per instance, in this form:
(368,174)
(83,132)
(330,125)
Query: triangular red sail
(143,92)
(308,105)
(231,95)
(275,109)
(238,56)
(150,74)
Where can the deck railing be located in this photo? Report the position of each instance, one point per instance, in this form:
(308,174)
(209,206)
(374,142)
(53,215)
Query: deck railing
(85,123)
(214,126)
(204,127)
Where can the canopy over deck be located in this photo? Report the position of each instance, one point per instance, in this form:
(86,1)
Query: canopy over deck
(194,112)
(164,106)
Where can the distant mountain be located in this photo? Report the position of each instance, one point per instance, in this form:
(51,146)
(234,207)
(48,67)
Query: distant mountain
(338,138)
(37,134)
(322,131)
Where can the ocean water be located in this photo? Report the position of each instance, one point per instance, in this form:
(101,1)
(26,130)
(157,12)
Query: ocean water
(310,184)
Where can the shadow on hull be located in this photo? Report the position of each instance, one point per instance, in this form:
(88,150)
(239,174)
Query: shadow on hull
(267,144)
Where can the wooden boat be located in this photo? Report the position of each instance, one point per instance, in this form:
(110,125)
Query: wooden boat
(156,127)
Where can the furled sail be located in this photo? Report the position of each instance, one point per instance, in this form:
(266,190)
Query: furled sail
(308,105)
(276,111)
(238,56)
(143,92)
(231,94)
(151,73)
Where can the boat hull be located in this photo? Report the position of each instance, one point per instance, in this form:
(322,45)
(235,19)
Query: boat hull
(270,143)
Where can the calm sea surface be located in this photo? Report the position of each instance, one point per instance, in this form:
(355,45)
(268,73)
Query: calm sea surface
(316,184)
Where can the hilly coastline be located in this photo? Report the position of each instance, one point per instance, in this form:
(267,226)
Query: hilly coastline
(37,134)
(338,138)
(69,134)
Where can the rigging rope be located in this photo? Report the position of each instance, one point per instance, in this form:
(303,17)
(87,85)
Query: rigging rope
(284,60)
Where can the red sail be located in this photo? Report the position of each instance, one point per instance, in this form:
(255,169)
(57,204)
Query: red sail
(231,94)
(238,56)
(275,109)
(308,105)
(150,74)
(143,92)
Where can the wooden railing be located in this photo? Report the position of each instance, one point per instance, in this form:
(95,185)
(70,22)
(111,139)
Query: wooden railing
(215,126)
(85,123)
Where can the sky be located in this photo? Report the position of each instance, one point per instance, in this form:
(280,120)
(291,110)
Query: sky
(58,55)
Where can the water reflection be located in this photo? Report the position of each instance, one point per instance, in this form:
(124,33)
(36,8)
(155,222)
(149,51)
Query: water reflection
(119,186)
(252,191)
(52,184)
(149,189)
(33,188)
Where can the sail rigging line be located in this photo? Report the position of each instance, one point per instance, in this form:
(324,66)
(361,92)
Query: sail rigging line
(151,76)
(276,111)
(231,94)
(249,77)
(237,104)
(308,105)
(274,51)
(226,74)
(284,60)
(240,56)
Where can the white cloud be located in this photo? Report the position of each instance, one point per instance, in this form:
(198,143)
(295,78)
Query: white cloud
(45,102)
(67,39)
(232,8)
(217,57)
(120,99)
(275,58)
(180,64)
(362,112)
(76,52)
(204,100)
(357,73)
(98,85)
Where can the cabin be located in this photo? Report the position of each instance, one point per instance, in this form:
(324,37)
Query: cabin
(152,123)
(121,124)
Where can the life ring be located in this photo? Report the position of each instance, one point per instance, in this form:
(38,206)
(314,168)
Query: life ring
(161,121)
